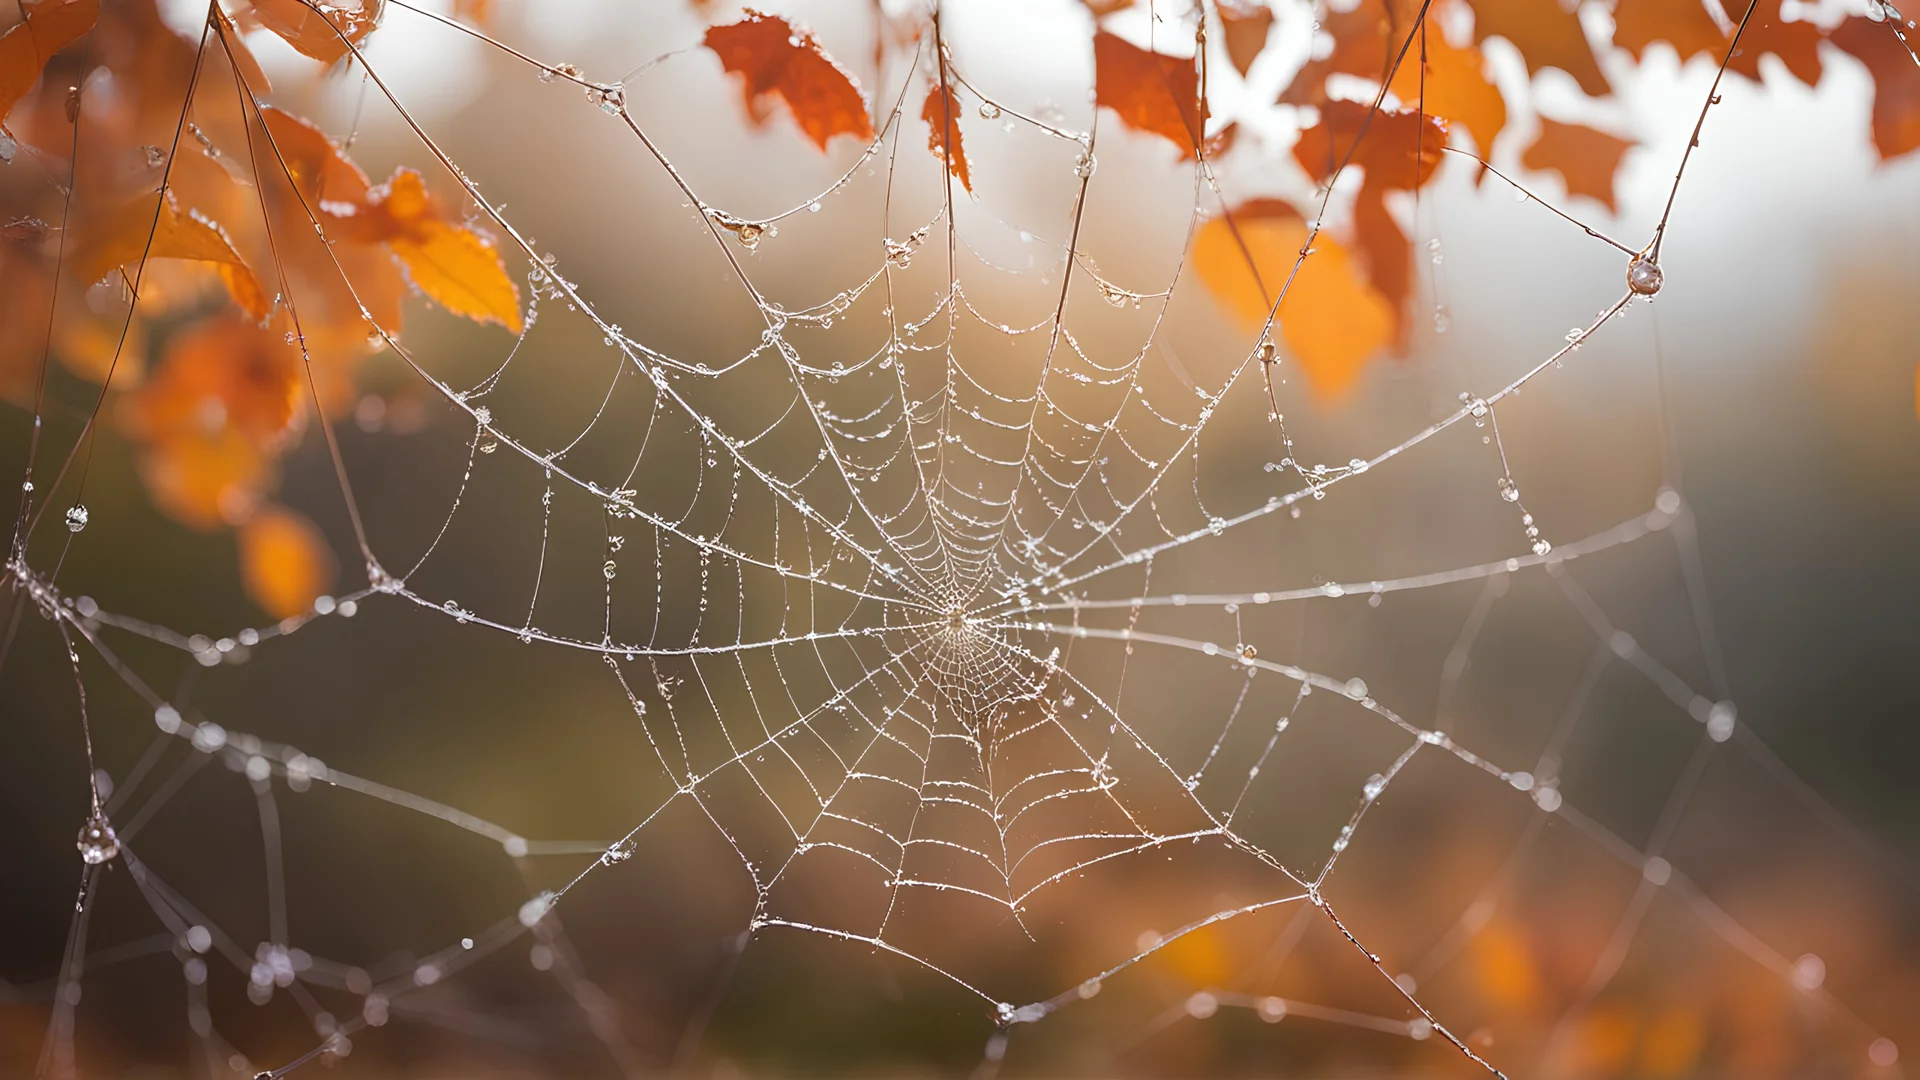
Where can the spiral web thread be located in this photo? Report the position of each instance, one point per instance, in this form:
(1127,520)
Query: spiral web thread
(892,603)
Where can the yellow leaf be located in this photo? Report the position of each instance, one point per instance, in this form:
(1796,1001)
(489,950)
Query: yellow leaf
(1332,320)
(456,267)
(460,270)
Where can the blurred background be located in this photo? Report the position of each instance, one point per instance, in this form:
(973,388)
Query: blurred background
(1770,388)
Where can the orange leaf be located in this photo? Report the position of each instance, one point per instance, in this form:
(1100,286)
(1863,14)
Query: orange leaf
(1103,8)
(245,67)
(1366,38)
(318,167)
(456,267)
(121,237)
(335,278)
(773,56)
(94,347)
(1797,44)
(1586,159)
(325,37)
(1896,83)
(1331,320)
(1398,149)
(46,27)
(1456,87)
(206,481)
(942,114)
(223,373)
(1150,91)
(214,416)
(1388,253)
(1547,35)
(1244,23)
(26,302)
(284,561)
(1683,24)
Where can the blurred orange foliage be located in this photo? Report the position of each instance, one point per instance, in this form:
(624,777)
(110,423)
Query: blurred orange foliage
(284,561)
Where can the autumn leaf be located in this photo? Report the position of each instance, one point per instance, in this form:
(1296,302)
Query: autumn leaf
(1796,43)
(285,563)
(45,27)
(1455,87)
(222,373)
(1244,23)
(324,31)
(1150,91)
(1547,35)
(1332,320)
(1387,252)
(942,114)
(206,481)
(245,67)
(95,348)
(25,307)
(1684,24)
(1397,148)
(318,167)
(120,237)
(1896,83)
(455,266)
(226,397)
(346,283)
(1586,159)
(774,57)
(1364,42)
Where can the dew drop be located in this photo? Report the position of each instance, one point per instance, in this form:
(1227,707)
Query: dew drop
(97,842)
(76,518)
(1644,276)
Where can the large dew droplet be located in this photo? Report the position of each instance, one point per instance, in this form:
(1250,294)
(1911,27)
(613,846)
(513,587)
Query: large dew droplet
(97,842)
(1644,276)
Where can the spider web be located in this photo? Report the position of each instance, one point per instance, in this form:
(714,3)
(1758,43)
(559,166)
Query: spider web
(947,603)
